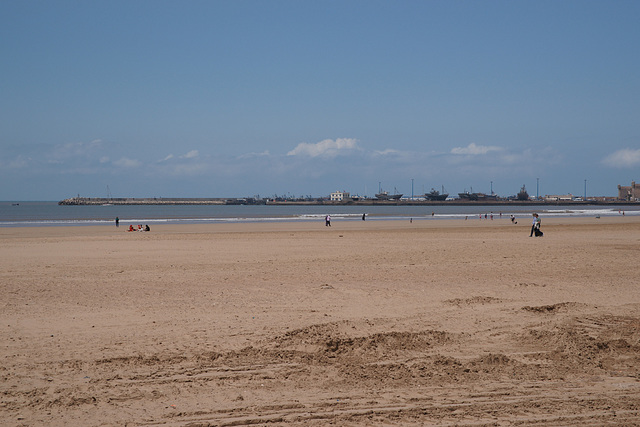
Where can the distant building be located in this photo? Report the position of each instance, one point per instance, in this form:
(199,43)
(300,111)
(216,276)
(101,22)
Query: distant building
(339,196)
(559,198)
(629,193)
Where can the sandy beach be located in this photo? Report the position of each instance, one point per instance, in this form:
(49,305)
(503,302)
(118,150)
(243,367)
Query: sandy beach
(364,323)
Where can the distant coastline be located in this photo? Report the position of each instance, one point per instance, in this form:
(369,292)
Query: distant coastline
(98,201)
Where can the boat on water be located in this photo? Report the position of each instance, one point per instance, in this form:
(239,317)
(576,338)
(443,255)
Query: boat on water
(435,195)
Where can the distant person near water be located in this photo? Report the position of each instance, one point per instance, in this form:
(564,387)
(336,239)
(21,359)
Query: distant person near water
(364,216)
(327,221)
(117,222)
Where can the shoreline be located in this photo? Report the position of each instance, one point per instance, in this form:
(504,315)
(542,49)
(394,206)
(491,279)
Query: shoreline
(524,223)
(50,214)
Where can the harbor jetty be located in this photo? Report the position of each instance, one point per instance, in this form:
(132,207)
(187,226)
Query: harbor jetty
(99,201)
(102,201)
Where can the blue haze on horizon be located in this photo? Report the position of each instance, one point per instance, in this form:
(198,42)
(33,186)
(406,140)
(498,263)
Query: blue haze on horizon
(240,98)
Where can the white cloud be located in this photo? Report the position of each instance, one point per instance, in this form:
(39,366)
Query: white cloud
(127,163)
(386,152)
(104,159)
(190,155)
(265,153)
(474,150)
(624,158)
(328,148)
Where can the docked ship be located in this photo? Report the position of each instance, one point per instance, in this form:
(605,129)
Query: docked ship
(523,195)
(477,196)
(435,195)
(383,195)
(468,195)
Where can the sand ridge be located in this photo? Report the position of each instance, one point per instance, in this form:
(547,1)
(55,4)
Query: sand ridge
(364,323)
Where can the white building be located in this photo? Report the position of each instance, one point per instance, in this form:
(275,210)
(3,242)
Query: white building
(339,196)
(559,198)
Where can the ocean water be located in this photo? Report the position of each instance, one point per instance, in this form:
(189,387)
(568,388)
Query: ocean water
(28,214)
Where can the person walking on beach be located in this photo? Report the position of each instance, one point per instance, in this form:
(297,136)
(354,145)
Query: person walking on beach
(537,230)
(533,224)
(117,222)
(364,216)
(327,221)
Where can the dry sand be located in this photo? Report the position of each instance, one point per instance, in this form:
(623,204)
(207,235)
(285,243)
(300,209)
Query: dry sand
(364,323)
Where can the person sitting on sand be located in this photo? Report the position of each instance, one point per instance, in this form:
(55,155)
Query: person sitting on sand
(131,228)
(146,227)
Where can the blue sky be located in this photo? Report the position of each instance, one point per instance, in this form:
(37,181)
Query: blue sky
(243,98)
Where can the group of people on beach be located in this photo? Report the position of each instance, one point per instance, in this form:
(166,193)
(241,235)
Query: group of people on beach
(140,228)
(132,228)
(535,226)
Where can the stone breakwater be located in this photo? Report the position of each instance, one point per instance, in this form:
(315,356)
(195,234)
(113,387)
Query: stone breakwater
(97,201)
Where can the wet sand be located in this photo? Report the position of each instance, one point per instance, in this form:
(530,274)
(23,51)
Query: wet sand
(434,322)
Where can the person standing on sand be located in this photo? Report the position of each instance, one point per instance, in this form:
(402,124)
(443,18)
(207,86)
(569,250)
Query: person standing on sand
(327,221)
(533,224)
(538,232)
(117,222)
(364,216)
